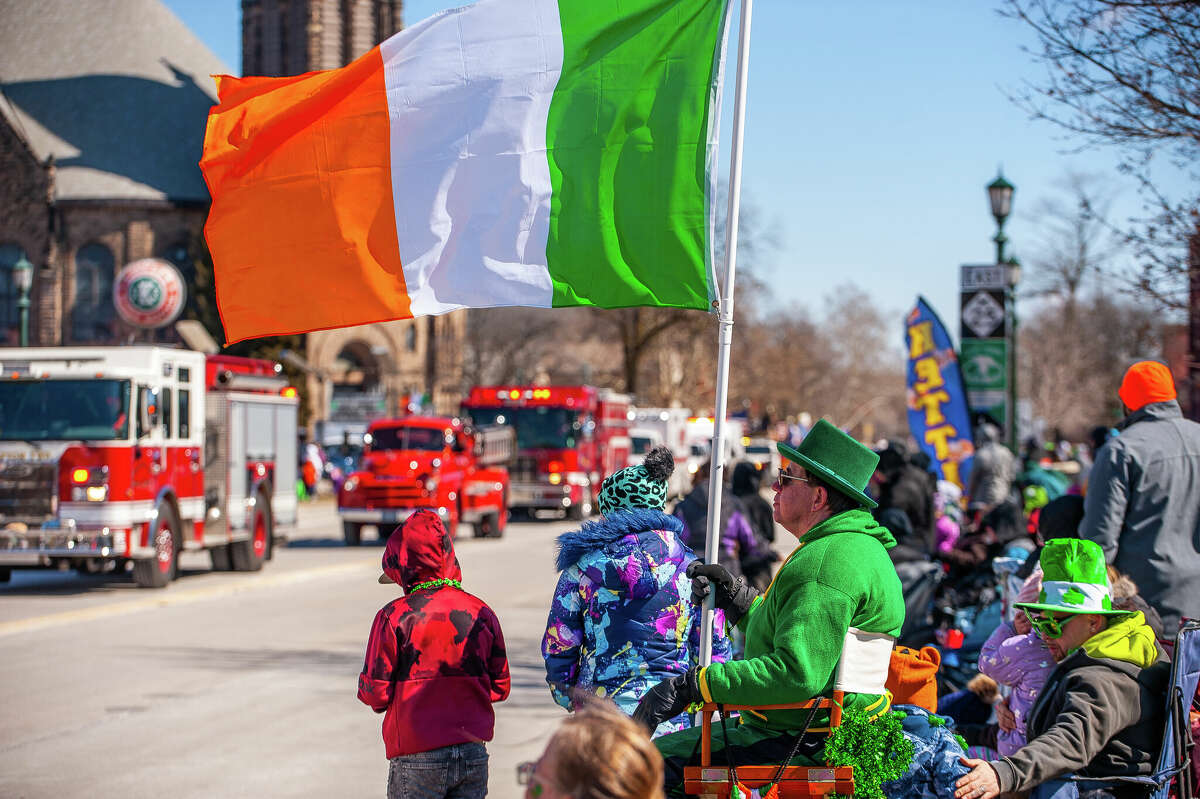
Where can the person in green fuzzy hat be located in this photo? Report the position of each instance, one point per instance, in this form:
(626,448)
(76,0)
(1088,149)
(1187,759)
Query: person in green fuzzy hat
(828,620)
(1100,713)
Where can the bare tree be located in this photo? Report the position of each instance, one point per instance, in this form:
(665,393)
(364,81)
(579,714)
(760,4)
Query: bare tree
(1070,370)
(1127,73)
(637,331)
(506,344)
(846,365)
(1074,240)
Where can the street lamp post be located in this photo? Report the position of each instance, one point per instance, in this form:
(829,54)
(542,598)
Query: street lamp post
(23,278)
(1000,193)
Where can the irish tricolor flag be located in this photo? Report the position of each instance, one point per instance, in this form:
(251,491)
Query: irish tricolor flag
(513,152)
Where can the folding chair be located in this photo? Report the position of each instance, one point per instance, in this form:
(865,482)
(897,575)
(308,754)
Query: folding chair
(1175,757)
(716,782)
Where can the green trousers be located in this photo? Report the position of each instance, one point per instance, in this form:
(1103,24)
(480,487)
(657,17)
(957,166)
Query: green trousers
(749,745)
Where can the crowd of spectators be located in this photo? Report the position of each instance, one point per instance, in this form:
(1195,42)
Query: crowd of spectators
(1076,586)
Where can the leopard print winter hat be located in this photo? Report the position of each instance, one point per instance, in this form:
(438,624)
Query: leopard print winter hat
(640,486)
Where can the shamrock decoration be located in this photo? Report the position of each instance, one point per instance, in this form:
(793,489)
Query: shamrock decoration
(1074,596)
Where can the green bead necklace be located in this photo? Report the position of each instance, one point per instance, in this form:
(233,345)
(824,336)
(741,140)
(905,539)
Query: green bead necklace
(435,584)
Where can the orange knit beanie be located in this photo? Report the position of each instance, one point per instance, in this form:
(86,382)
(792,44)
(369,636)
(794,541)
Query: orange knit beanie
(1146,382)
(912,677)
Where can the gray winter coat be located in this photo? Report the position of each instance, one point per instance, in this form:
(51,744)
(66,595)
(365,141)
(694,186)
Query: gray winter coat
(1143,507)
(992,471)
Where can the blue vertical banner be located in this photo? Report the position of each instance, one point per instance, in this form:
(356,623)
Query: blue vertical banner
(937,399)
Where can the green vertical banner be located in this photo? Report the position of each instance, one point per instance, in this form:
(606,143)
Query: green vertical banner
(984,364)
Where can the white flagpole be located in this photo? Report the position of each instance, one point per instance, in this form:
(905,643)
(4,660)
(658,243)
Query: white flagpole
(725,334)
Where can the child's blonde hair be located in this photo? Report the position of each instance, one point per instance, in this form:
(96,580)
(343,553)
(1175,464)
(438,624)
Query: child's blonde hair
(600,753)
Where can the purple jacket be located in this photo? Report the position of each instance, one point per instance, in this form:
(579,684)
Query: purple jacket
(1023,663)
(738,541)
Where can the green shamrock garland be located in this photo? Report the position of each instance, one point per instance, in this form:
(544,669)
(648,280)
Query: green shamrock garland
(877,749)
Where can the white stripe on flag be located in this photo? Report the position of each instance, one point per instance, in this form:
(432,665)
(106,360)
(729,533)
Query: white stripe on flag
(468,94)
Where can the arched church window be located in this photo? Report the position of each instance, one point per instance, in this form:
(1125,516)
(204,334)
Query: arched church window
(10,253)
(92,311)
(181,258)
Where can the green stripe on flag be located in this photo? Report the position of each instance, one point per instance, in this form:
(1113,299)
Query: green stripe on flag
(627,139)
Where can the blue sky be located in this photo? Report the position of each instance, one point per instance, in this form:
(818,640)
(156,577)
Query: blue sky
(872,129)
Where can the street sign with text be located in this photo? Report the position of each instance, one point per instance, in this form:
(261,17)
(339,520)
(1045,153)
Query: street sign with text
(973,277)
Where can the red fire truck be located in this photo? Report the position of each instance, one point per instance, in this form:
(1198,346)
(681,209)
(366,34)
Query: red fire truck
(428,462)
(118,455)
(569,438)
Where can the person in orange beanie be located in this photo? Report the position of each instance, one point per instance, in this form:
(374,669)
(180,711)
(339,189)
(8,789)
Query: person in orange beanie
(937,750)
(1141,503)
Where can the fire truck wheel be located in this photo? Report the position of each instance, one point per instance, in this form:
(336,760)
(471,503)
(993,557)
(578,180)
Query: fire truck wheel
(161,569)
(352,531)
(222,560)
(578,511)
(489,526)
(248,556)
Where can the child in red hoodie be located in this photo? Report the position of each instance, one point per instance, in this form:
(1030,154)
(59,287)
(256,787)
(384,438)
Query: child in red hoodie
(435,664)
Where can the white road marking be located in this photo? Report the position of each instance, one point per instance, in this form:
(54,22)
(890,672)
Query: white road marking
(182,597)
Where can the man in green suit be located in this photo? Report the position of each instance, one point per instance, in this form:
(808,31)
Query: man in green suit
(828,620)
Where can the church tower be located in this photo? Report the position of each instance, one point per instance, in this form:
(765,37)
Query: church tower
(289,37)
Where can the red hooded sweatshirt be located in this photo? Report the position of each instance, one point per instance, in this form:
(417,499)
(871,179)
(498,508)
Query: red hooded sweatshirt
(435,659)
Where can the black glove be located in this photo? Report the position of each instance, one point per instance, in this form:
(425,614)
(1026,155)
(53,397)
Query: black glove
(668,699)
(733,595)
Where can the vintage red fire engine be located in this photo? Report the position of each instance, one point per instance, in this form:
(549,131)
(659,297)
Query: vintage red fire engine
(569,438)
(118,455)
(428,462)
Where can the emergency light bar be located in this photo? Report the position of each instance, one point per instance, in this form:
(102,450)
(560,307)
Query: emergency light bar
(251,382)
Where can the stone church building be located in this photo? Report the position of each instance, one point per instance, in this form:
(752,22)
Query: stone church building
(102,109)
(102,114)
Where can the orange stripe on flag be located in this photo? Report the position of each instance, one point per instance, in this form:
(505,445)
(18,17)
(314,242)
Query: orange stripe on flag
(302,229)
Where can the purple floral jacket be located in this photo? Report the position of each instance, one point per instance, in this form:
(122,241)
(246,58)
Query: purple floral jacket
(1023,663)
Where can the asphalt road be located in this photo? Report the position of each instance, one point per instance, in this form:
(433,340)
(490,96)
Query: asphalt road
(232,684)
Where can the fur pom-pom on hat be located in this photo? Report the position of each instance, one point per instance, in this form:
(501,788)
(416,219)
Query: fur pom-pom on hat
(985,688)
(659,464)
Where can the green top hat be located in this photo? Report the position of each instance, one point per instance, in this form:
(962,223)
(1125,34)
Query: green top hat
(1074,579)
(835,458)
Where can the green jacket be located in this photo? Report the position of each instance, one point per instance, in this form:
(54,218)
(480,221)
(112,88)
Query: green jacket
(839,576)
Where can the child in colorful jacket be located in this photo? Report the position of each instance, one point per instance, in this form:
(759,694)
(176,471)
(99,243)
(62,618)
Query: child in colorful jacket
(620,620)
(435,664)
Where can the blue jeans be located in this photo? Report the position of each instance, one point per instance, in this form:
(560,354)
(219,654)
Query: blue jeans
(1066,789)
(459,771)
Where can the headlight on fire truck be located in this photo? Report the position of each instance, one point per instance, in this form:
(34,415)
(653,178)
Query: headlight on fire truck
(350,484)
(89,484)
